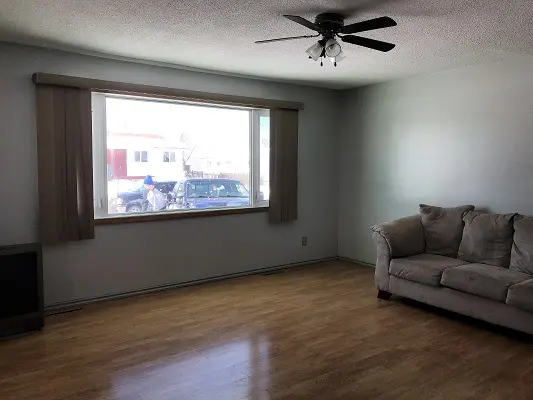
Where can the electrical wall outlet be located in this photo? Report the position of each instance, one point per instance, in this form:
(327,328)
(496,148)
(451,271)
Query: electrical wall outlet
(304,240)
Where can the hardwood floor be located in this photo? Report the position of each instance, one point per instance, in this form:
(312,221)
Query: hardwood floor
(308,333)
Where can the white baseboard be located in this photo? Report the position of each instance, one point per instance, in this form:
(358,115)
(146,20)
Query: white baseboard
(77,304)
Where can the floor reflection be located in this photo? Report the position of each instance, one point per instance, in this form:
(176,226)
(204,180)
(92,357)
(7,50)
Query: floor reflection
(236,369)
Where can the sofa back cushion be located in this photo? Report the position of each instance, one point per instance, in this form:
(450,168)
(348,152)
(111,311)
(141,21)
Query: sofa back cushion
(443,228)
(522,251)
(487,238)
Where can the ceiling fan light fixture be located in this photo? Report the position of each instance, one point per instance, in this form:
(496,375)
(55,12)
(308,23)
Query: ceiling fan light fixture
(315,51)
(333,48)
(339,58)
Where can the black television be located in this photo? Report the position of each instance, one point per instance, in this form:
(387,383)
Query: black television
(21,289)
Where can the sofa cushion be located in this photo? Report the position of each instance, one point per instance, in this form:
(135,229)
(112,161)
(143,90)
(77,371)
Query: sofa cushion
(443,228)
(487,238)
(422,268)
(522,251)
(482,280)
(521,295)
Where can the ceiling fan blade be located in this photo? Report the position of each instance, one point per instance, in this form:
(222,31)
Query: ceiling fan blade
(304,22)
(286,38)
(370,43)
(371,24)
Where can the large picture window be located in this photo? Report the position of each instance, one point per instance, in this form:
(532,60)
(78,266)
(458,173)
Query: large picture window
(159,156)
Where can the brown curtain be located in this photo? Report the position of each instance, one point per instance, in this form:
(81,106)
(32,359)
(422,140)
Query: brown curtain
(64,140)
(283,165)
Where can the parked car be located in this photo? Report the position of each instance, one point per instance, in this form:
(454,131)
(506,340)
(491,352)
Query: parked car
(134,200)
(210,193)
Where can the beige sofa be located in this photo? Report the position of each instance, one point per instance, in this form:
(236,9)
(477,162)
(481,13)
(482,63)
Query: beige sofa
(472,263)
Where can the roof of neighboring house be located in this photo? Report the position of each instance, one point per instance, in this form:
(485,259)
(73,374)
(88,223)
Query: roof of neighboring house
(137,135)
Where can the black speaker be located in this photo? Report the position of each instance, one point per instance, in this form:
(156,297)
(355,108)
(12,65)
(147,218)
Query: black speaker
(21,289)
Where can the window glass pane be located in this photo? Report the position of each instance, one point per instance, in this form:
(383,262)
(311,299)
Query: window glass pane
(264,156)
(192,156)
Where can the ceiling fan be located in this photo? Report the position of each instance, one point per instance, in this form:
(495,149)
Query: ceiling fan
(330,26)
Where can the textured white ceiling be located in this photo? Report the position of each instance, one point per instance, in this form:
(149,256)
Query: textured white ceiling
(219,35)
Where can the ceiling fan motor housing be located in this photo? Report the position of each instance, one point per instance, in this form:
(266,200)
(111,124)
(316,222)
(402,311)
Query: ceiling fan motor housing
(330,23)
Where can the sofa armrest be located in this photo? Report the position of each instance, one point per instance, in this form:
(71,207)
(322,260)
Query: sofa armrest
(404,236)
(381,275)
(401,238)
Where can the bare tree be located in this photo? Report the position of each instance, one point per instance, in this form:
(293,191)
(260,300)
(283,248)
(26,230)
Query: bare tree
(186,154)
(185,157)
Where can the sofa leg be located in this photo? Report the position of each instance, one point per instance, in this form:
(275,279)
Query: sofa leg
(383,295)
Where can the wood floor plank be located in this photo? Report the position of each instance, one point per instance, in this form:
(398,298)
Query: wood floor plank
(315,332)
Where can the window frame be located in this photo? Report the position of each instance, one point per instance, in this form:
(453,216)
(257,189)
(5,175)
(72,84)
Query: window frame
(170,155)
(100,173)
(141,158)
(255,150)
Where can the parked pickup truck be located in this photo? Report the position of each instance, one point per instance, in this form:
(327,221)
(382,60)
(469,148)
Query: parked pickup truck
(210,193)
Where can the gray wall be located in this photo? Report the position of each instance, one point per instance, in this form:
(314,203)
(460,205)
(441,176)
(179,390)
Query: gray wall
(135,256)
(457,137)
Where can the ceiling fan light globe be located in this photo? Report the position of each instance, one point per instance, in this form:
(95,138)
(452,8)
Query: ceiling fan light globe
(333,48)
(340,57)
(315,51)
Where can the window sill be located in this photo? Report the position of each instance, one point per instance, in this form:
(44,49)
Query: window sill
(178,215)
